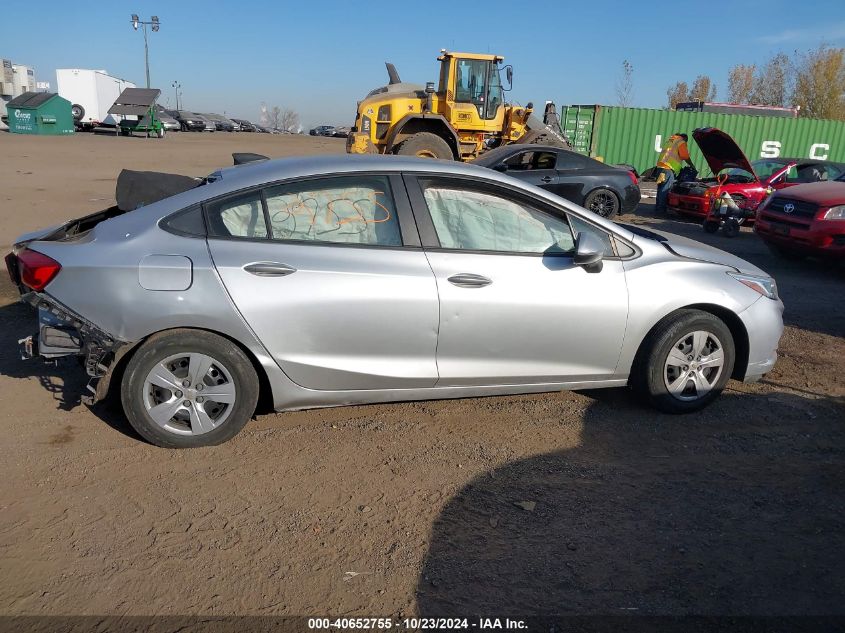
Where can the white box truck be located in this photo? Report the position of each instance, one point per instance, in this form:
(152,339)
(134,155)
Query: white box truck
(91,94)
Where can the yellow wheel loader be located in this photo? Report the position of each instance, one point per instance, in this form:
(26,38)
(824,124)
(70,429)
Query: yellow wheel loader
(463,117)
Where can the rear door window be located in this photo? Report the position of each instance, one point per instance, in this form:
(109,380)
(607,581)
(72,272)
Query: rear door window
(346,209)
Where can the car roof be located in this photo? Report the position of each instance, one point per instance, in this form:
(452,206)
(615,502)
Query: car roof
(801,161)
(500,153)
(257,173)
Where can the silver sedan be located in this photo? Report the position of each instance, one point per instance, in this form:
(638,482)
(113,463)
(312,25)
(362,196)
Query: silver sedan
(329,281)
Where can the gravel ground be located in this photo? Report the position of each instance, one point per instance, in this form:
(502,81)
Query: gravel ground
(567,503)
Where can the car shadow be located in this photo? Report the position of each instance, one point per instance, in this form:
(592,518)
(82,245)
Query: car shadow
(811,289)
(64,378)
(735,511)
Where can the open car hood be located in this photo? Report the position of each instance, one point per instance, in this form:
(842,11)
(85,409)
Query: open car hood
(720,150)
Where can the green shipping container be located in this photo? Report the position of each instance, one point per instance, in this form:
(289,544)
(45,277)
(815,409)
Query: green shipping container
(634,135)
(40,113)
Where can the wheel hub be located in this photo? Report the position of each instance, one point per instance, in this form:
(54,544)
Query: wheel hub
(694,365)
(189,394)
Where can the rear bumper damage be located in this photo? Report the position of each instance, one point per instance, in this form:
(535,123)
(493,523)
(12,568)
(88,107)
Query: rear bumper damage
(61,332)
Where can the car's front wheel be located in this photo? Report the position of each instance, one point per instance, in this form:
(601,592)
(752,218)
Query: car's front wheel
(189,388)
(685,362)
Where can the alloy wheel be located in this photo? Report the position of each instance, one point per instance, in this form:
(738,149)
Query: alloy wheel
(604,204)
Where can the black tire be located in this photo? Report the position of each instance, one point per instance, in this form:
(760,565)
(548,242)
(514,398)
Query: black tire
(221,351)
(77,111)
(731,228)
(649,372)
(711,226)
(603,202)
(425,145)
(160,132)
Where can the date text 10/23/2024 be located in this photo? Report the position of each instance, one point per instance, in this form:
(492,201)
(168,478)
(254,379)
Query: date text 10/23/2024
(416,624)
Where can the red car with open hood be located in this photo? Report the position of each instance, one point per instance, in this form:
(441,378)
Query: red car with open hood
(748,183)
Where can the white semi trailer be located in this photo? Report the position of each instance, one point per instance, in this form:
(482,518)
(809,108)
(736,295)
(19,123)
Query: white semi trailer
(91,94)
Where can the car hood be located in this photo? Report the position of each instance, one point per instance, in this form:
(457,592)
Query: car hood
(821,193)
(690,249)
(720,150)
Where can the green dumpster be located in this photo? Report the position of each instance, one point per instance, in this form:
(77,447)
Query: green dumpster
(40,113)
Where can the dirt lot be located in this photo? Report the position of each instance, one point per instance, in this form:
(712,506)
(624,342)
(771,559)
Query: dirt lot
(410,508)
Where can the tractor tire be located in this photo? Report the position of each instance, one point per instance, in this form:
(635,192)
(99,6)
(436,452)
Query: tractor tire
(425,145)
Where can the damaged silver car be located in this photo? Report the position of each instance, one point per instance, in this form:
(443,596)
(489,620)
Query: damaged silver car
(337,280)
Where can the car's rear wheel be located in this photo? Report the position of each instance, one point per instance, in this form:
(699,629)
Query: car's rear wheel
(189,388)
(685,362)
(603,202)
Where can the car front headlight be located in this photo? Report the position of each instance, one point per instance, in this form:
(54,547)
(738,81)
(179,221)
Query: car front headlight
(766,286)
(835,213)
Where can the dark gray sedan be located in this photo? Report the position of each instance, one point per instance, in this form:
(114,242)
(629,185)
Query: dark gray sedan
(601,188)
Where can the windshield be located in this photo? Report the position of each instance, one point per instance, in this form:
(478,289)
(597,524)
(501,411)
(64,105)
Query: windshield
(477,82)
(765,168)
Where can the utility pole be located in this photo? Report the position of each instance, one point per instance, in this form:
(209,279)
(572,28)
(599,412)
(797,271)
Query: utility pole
(177,86)
(154,23)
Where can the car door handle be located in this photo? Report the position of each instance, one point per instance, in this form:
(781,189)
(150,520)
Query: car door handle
(469,280)
(546,179)
(269,269)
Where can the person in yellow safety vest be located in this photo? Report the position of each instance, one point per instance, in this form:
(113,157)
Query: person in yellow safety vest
(673,154)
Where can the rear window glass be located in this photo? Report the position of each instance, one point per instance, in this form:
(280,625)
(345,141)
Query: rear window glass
(241,216)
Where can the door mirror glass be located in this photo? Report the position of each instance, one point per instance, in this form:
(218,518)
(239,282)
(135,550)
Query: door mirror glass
(589,251)
(509,75)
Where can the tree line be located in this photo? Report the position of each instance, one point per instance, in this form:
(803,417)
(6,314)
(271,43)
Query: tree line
(813,81)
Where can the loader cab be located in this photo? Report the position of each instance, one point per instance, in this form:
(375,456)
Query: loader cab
(475,80)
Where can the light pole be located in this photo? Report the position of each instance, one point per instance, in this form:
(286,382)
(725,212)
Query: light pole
(155,24)
(176,85)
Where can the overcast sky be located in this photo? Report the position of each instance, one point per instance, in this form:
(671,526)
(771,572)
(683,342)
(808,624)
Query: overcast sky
(319,58)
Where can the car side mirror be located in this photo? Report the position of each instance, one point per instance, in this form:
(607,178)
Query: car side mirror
(502,167)
(589,251)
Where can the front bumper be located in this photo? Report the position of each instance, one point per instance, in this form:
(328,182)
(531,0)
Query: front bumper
(763,321)
(689,205)
(821,237)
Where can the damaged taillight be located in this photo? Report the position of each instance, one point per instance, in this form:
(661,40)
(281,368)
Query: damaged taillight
(36,270)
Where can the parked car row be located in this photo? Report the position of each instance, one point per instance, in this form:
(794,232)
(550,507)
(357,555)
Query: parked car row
(330,130)
(187,121)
